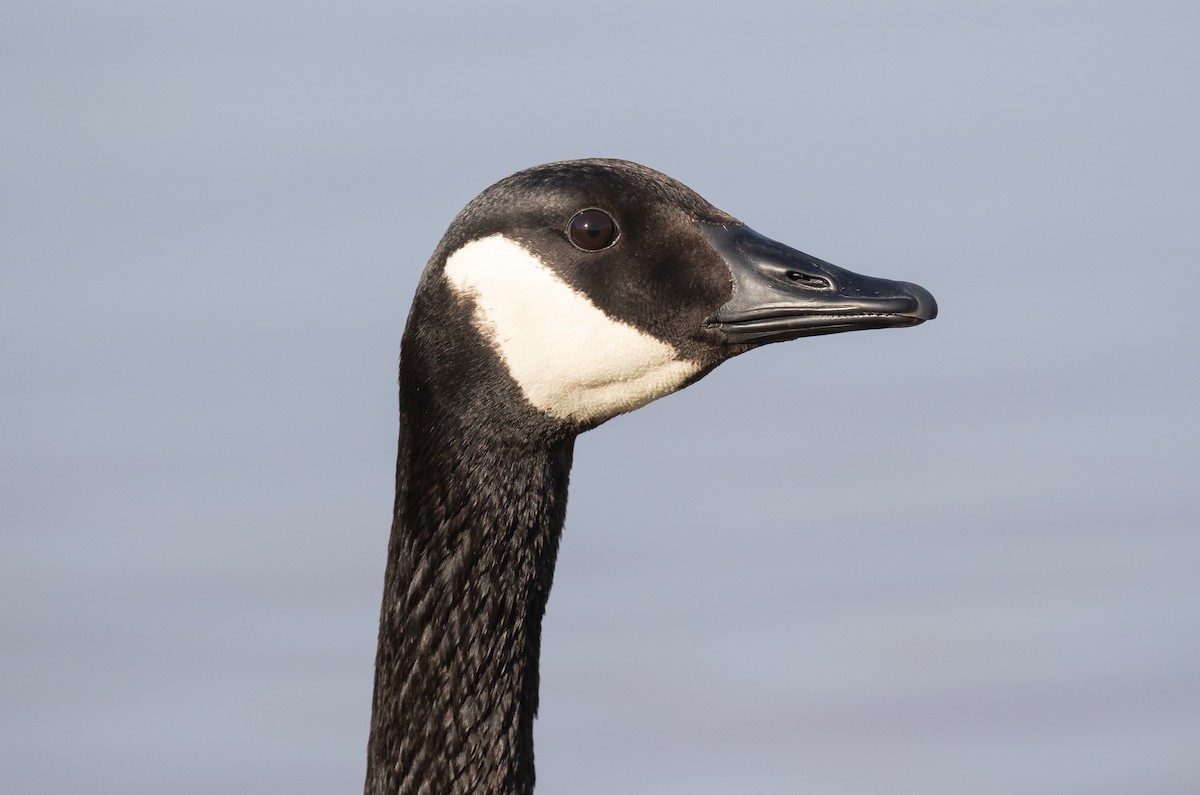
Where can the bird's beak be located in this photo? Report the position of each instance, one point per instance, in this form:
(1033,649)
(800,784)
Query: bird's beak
(780,293)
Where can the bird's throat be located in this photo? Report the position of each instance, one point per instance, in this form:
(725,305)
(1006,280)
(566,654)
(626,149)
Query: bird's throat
(470,564)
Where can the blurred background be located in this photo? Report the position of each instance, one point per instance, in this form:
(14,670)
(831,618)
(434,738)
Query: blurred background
(957,558)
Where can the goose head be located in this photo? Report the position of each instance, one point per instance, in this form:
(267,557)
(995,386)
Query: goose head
(569,293)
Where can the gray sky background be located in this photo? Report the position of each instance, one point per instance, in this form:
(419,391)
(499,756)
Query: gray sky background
(959,558)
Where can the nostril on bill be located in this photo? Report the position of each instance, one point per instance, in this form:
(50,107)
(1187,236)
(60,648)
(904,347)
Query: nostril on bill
(809,280)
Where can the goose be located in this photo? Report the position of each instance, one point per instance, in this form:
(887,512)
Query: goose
(560,297)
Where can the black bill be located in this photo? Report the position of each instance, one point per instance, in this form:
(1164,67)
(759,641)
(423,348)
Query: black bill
(780,293)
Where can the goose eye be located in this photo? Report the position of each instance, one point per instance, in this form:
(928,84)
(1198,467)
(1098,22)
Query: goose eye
(592,230)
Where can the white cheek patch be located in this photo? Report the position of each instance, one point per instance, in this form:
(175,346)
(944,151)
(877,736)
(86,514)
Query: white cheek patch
(570,359)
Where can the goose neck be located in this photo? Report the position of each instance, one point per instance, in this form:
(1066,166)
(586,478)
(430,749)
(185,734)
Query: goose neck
(470,564)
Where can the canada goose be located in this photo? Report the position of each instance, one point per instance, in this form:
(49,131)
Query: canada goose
(559,298)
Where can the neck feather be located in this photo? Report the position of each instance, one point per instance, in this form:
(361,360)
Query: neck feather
(470,563)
